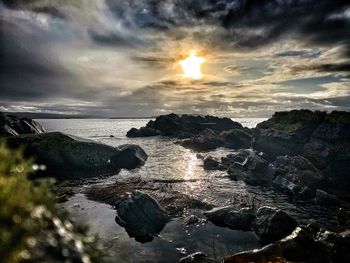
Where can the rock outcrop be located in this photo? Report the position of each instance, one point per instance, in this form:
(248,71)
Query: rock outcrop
(324,139)
(11,125)
(184,126)
(73,157)
(141,216)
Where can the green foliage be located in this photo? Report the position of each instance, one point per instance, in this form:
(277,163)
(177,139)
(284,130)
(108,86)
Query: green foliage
(32,229)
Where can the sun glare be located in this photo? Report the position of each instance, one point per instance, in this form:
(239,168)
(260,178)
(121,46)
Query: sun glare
(191,66)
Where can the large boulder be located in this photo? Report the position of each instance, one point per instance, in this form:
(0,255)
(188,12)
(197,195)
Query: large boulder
(73,157)
(129,156)
(141,216)
(230,217)
(185,126)
(272,224)
(11,125)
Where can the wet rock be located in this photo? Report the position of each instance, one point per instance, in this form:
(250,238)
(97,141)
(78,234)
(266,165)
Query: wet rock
(185,126)
(330,247)
(230,217)
(297,170)
(344,217)
(272,224)
(129,156)
(269,254)
(67,156)
(298,245)
(326,199)
(211,163)
(11,125)
(205,141)
(142,132)
(141,216)
(253,170)
(197,257)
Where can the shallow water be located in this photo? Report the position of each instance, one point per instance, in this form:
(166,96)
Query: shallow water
(170,161)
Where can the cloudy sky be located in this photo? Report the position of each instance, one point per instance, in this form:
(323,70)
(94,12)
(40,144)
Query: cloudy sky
(121,58)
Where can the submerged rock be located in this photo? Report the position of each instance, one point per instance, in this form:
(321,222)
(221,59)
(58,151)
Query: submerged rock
(67,156)
(197,257)
(272,224)
(230,217)
(141,216)
(185,126)
(11,125)
(129,156)
(269,254)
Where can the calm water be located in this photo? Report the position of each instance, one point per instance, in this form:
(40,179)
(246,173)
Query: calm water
(170,161)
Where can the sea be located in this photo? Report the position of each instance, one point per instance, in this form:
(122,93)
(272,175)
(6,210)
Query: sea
(167,160)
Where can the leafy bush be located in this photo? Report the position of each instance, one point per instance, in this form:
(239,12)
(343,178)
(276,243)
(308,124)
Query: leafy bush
(32,229)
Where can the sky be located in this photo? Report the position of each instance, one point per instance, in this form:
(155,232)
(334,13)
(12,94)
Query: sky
(118,58)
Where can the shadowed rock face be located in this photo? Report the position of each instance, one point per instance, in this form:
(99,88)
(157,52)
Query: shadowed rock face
(141,216)
(183,126)
(11,125)
(74,157)
(324,139)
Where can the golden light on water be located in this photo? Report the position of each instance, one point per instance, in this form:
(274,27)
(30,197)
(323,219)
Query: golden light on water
(191,65)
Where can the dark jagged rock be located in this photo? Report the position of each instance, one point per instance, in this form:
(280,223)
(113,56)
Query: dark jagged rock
(272,224)
(185,126)
(302,245)
(70,156)
(253,169)
(295,175)
(11,125)
(129,156)
(230,217)
(141,216)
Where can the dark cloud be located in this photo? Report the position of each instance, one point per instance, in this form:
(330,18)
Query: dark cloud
(326,67)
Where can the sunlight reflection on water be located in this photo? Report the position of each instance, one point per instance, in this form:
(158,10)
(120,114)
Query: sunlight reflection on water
(167,160)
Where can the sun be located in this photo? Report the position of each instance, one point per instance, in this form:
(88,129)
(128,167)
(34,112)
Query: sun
(191,65)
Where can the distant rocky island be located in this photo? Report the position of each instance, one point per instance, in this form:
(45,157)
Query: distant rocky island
(303,153)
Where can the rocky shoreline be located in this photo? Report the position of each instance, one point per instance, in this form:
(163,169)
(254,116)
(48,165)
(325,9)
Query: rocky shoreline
(301,153)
